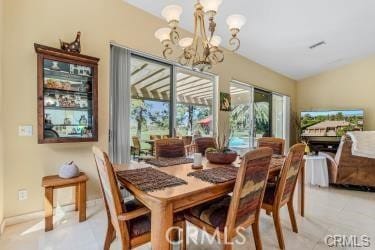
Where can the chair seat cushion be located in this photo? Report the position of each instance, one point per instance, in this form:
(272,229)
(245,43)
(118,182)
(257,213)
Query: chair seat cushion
(213,213)
(269,194)
(142,224)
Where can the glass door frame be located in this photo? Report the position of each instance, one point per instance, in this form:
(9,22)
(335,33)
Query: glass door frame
(269,93)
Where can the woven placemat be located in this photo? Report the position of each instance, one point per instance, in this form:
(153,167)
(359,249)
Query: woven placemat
(149,179)
(228,173)
(216,175)
(166,162)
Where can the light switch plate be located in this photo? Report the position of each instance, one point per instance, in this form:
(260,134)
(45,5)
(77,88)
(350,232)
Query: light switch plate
(25,130)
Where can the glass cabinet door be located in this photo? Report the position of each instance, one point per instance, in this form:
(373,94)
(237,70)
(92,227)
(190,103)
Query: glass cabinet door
(67,100)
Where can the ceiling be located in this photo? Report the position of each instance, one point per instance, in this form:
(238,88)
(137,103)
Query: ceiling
(278,34)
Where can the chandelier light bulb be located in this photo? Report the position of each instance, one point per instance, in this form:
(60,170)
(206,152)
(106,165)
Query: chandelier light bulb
(210,6)
(185,42)
(172,13)
(163,34)
(215,41)
(236,22)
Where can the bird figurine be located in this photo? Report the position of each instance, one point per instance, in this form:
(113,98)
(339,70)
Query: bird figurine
(74,46)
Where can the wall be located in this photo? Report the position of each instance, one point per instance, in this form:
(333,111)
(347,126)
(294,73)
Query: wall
(1,119)
(45,21)
(349,87)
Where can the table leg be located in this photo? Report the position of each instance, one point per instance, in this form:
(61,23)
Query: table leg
(48,208)
(82,201)
(76,197)
(301,190)
(161,222)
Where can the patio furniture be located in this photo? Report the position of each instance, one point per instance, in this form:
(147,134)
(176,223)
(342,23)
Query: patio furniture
(52,182)
(163,203)
(169,148)
(155,137)
(188,139)
(243,208)
(348,169)
(136,148)
(281,193)
(277,144)
(130,221)
(316,170)
(202,143)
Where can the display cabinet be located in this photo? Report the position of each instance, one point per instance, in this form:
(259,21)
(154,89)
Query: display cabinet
(67,96)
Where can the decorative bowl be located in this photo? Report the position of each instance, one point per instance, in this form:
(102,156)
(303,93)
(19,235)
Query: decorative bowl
(227,157)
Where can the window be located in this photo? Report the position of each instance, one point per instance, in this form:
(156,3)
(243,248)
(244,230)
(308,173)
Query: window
(194,109)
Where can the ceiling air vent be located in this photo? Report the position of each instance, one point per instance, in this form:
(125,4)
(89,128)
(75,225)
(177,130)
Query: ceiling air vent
(314,46)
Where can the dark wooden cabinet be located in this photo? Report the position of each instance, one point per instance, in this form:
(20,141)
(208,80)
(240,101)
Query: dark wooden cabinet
(67,96)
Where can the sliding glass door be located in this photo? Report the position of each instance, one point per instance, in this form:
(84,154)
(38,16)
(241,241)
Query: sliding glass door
(241,117)
(256,113)
(262,113)
(151,107)
(168,101)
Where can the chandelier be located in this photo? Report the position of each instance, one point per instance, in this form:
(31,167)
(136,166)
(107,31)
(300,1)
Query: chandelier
(200,51)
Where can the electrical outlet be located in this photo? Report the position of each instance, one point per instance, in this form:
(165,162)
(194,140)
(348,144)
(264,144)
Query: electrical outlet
(25,130)
(22,194)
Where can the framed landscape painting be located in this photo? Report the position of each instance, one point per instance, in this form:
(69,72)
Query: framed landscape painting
(225,102)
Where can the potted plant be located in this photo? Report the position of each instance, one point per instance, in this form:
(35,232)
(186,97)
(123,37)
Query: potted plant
(221,154)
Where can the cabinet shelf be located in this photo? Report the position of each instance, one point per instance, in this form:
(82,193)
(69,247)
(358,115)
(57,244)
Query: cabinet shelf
(63,75)
(67,108)
(63,91)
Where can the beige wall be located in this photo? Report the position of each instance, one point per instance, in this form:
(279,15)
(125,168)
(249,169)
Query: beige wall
(45,21)
(1,119)
(349,87)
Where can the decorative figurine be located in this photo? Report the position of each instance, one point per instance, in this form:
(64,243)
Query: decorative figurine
(74,46)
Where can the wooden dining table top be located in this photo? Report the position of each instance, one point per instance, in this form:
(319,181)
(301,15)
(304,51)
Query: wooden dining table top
(194,185)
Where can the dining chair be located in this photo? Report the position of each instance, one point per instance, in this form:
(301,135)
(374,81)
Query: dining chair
(232,214)
(277,144)
(169,148)
(136,148)
(281,193)
(130,221)
(202,143)
(155,137)
(165,137)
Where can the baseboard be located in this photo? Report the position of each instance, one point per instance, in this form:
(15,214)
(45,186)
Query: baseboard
(40,214)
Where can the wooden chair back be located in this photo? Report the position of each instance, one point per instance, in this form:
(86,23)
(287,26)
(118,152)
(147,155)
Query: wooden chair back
(155,137)
(169,148)
(289,174)
(202,143)
(249,188)
(187,140)
(136,142)
(277,144)
(165,137)
(111,191)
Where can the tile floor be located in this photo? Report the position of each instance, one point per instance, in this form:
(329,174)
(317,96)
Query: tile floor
(328,211)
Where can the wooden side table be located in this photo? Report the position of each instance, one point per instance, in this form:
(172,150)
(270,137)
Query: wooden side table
(54,182)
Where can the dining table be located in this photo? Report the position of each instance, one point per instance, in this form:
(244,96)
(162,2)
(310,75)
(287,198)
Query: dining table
(164,203)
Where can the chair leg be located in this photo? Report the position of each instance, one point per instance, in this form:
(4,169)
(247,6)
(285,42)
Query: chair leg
(279,232)
(292,216)
(228,246)
(256,235)
(183,236)
(110,237)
